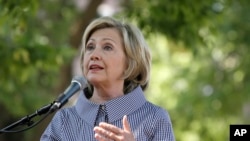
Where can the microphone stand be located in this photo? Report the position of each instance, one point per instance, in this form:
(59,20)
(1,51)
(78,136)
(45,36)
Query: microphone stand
(27,120)
(76,84)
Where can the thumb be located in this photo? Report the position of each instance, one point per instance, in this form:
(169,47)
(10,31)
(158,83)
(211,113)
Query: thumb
(126,125)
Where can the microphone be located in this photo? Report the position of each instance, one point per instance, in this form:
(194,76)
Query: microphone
(77,83)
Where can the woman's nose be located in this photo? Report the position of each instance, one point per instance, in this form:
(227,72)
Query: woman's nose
(95,55)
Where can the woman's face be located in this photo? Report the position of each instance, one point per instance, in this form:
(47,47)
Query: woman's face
(104,58)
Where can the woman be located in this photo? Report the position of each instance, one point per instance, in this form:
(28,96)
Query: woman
(116,61)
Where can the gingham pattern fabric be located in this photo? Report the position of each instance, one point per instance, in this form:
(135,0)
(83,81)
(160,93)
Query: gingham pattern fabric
(148,122)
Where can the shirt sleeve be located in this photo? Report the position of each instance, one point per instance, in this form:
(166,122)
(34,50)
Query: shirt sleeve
(53,130)
(163,130)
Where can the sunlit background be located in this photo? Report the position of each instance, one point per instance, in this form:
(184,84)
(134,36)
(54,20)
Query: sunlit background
(200,68)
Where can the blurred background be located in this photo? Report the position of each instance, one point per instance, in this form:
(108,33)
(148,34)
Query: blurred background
(200,71)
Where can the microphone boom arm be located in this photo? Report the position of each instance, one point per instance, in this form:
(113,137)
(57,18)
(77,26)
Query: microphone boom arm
(77,84)
(27,120)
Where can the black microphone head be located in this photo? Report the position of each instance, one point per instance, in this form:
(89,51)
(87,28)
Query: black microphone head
(80,80)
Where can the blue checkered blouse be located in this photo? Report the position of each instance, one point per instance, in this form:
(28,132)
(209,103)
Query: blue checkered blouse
(147,121)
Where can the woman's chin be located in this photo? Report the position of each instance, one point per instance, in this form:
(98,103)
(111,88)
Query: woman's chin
(94,80)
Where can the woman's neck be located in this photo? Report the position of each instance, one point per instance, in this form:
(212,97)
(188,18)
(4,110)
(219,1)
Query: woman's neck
(102,95)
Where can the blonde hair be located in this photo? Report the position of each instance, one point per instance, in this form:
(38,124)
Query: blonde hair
(135,48)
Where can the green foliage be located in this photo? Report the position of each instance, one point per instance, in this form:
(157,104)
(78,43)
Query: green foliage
(32,51)
(180,20)
(16,11)
(204,93)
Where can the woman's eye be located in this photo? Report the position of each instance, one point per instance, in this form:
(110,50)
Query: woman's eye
(107,47)
(90,47)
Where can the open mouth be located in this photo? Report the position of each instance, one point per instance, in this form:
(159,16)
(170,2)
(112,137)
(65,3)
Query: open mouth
(95,67)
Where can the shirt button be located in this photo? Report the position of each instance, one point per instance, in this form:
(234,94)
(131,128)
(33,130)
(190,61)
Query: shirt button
(102,106)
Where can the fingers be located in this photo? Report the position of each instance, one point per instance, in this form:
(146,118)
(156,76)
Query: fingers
(106,132)
(101,137)
(110,128)
(126,125)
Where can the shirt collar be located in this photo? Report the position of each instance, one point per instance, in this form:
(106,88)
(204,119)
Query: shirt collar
(116,108)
